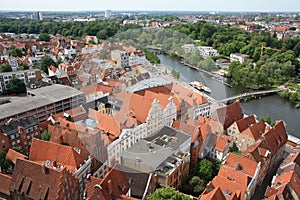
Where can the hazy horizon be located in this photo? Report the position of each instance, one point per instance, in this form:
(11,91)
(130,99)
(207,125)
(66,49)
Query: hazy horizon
(154,5)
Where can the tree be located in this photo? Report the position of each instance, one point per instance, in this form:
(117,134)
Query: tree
(5,164)
(15,86)
(197,184)
(267,120)
(5,68)
(205,169)
(14,52)
(45,62)
(46,135)
(167,193)
(44,37)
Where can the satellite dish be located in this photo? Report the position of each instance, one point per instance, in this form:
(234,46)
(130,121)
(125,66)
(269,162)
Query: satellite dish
(48,163)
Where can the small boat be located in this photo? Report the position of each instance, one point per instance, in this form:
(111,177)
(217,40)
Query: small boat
(199,86)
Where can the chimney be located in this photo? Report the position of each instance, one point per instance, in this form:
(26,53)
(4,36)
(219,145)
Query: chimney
(44,168)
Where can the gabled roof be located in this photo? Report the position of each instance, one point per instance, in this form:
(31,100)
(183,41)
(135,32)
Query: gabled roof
(255,131)
(41,151)
(106,123)
(275,138)
(215,194)
(37,181)
(234,175)
(241,164)
(113,185)
(14,155)
(284,181)
(244,123)
(222,142)
(227,115)
(140,106)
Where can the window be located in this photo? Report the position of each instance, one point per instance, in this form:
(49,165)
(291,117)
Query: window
(3,141)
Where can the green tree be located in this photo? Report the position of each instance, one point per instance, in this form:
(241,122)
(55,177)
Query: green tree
(205,169)
(44,37)
(197,184)
(45,62)
(5,68)
(14,52)
(267,120)
(5,164)
(46,135)
(15,86)
(167,193)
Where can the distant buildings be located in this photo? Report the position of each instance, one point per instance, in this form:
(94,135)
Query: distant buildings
(107,13)
(37,16)
(206,51)
(239,57)
(24,75)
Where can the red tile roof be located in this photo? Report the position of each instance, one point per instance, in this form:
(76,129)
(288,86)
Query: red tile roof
(106,123)
(222,142)
(242,164)
(14,155)
(290,180)
(38,182)
(5,182)
(227,115)
(215,194)
(41,151)
(113,185)
(244,123)
(275,138)
(255,131)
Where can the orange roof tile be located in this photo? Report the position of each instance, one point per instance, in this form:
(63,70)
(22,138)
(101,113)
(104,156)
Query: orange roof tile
(242,164)
(283,181)
(5,182)
(222,142)
(14,155)
(215,194)
(41,151)
(233,175)
(106,123)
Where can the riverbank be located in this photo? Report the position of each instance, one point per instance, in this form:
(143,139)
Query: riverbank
(273,105)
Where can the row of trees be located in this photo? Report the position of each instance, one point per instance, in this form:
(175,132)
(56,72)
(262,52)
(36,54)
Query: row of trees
(102,29)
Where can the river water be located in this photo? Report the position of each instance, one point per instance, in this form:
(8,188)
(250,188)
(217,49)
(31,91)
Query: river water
(274,106)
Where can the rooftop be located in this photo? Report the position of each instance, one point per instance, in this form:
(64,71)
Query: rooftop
(148,83)
(42,97)
(168,137)
(149,154)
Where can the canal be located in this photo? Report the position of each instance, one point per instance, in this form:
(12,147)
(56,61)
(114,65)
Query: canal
(274,106)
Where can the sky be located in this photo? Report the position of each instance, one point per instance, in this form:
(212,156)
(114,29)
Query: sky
(182,5)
